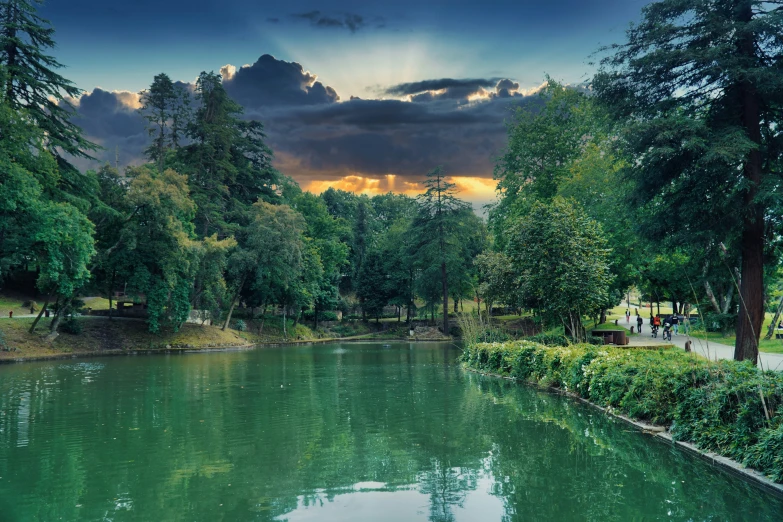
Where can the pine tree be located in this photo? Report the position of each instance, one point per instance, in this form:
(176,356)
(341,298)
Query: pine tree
(435,230)
(157,109)
(700,85)
(30,80)
(228,163)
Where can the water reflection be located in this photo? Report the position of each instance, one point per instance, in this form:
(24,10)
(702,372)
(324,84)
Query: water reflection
(350,432)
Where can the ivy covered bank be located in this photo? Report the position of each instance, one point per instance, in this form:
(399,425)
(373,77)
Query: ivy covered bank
(730,408)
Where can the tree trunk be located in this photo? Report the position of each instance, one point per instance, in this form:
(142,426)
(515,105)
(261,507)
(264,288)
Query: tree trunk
(445,298)
(315,317)
(456,303)
(775,320)
(602,320)
(53,333)
(285,334)
(230,311)
(43,308)
(751,310)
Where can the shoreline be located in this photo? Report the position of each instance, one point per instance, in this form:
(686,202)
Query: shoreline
(661,434)
(189,349)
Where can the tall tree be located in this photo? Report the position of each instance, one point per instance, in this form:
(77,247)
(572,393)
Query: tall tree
(561,259)
(543,140)
(157,107)
(438,210)
(700,84)
(228,164)
(30,80)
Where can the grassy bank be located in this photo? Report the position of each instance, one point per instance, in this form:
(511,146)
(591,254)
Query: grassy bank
(729,408)
(102,335)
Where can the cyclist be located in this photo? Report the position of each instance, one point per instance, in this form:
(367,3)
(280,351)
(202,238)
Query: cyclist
(655,325)
(667,329)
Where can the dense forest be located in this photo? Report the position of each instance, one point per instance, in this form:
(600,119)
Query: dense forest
(662,174)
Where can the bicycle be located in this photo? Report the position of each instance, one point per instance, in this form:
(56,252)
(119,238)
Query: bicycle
(654,330)
(667,332)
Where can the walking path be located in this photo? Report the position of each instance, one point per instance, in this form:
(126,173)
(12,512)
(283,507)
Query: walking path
(709,349)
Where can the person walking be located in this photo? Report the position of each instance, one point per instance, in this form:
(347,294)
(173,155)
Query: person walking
(627,316)
(639,322)
(675,323)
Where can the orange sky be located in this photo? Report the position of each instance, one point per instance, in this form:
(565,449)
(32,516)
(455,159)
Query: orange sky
(476,190)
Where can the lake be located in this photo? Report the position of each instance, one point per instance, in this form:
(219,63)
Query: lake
(348,432)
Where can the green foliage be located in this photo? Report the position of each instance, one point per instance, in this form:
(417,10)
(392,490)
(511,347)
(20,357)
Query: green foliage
(723,323)
(562,262)
(30,80)
(240,325)
(549,339)
(697,92)
(731,408)
(71,326)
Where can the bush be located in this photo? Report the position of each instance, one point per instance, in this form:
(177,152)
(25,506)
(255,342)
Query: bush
(240,325)
(595,341)
(727,407)
(71,326)
(549,339)
(723,323)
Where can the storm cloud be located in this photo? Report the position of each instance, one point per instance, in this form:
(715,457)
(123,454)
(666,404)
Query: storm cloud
(318,138)
(350,21)
(275,82)
(471,85)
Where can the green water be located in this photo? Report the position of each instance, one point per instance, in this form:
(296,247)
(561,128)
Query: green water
(332,432)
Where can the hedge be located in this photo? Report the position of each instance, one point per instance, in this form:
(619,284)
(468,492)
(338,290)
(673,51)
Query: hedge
(730,408)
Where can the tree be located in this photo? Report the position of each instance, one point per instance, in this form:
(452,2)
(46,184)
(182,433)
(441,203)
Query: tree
(496,278)
(228,163)
(562,262)
(30,80)
(325,233)
(438,210)
(268,262)
(542,142)
(165,106)
(158,255)
(699,87)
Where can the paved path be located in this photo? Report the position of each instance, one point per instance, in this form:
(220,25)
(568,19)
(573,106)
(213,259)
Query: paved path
(709,349)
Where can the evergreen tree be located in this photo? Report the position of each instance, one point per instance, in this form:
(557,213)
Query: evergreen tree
(700,85)
(434,227)
(158,109)
(229,164)
(30,80)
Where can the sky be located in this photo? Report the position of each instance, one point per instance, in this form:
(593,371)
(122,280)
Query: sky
(363,96)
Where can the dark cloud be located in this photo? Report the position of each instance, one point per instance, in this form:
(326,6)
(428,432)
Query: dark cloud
(470,85)
(316,138)
(378,137)
(270,81)
(111,120)
(351,21)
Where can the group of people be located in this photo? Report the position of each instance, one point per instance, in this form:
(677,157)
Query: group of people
(670,323)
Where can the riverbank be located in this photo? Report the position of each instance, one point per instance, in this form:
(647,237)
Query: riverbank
(101,336)
(729,409)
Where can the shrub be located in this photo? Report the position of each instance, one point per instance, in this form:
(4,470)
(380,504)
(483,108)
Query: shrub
(71,326)
(549,339)
(240,325)
(723,323)
(731,408)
